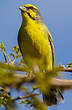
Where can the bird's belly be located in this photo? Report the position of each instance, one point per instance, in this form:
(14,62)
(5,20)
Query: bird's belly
(33,58)
(36,49)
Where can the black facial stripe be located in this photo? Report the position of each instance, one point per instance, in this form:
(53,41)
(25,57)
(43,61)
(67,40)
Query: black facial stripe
(30,16)
(30,7)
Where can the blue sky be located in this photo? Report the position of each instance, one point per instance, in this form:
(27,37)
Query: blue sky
(57,15)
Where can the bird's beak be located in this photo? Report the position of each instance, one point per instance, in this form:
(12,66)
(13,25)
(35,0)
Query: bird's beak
(23,8)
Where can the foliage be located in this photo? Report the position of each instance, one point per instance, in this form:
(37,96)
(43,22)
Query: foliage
(14,74)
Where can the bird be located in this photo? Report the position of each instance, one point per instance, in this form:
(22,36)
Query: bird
(36,45)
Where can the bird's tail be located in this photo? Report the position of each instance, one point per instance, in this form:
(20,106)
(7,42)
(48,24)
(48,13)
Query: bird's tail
(53,97)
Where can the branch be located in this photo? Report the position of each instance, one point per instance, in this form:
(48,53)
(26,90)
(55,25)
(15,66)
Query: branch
(61,83)
(55,82)
(21,78)
(23,97)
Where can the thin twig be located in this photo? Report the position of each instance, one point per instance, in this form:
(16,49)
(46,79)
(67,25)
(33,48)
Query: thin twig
(67,69)
(6,56)
(23,97)
(64,69)
(13,61)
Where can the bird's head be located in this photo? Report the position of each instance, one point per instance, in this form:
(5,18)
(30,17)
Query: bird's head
(30,12)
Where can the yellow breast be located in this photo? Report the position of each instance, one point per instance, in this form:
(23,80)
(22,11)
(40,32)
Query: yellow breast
(35,46)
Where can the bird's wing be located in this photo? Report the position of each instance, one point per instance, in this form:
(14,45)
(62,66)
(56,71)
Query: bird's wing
(52,47)
(49,37)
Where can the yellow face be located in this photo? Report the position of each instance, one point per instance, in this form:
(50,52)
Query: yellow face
(30,12)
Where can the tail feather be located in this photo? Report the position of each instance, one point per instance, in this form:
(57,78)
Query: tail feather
(53,97)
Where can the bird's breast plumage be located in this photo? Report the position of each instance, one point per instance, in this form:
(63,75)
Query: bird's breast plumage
(34,44)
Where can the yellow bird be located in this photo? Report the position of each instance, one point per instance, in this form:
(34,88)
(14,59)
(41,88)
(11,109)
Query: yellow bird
(36,45)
